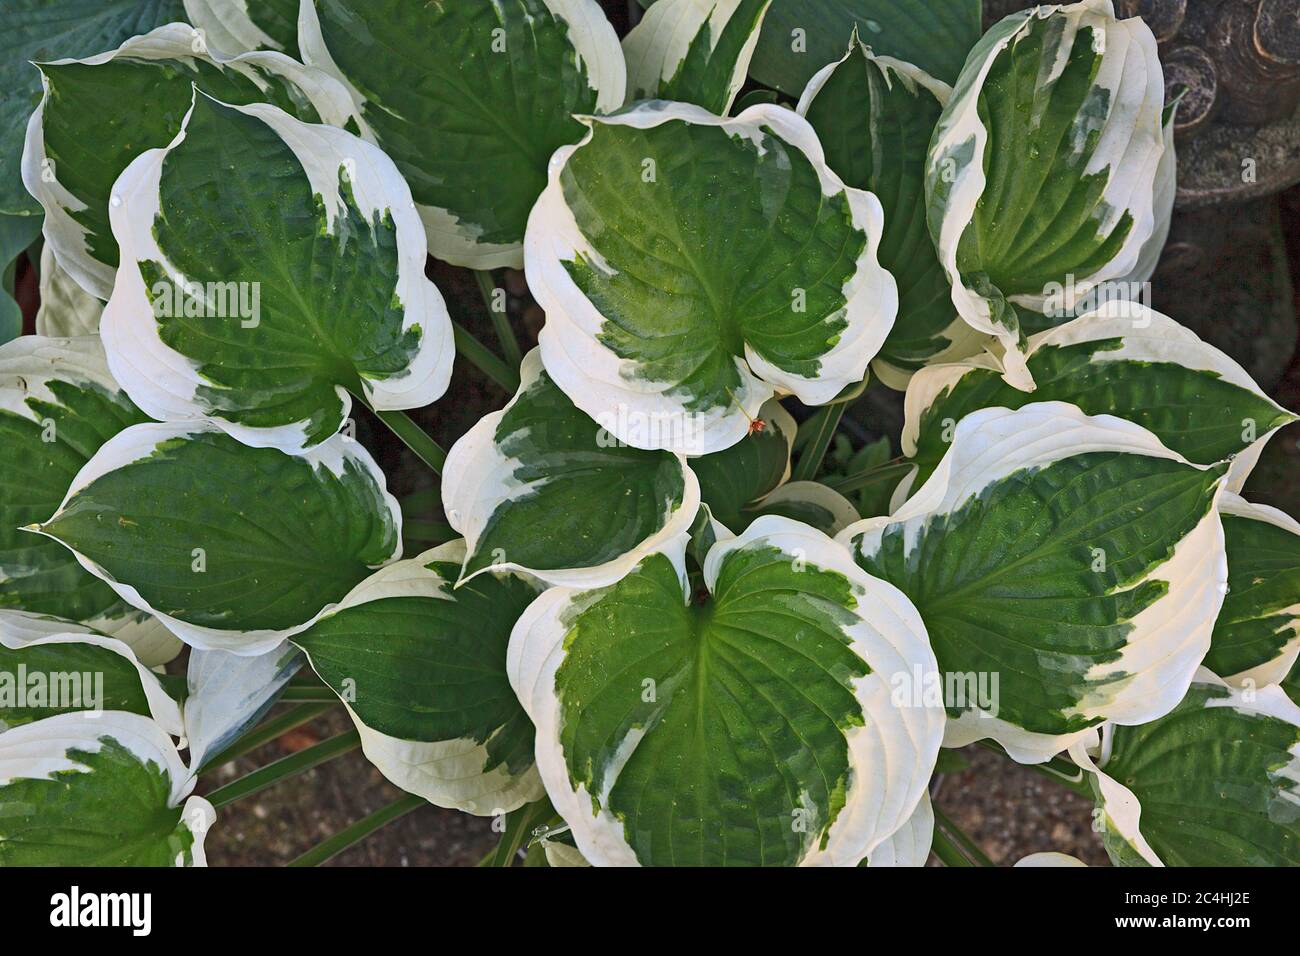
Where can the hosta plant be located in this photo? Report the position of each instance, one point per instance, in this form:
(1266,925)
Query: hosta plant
(668,598)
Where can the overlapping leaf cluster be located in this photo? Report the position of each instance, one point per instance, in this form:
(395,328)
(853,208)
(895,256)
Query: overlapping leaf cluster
(654,629)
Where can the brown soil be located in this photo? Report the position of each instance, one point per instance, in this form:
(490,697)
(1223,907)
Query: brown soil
(273,827)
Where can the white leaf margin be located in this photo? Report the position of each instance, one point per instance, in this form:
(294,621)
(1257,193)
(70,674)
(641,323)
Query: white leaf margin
(478,480)
(147,636)
(38,751)
(657,46)
(226,24)
(167,385)
(30,362)
(781,421)
(447,773)
(905,740)
(166,712)
(29,626)
(171,41)
(1148,336)
(66,308)
(1168,639)
(1273,671)
(449,238)
(647,414)
(228,694)
(1166,191)
(138,443)
(1133,154)
(910,844)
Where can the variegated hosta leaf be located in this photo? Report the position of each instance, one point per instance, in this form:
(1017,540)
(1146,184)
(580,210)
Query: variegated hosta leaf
(750,724)
(1123,360)
(233,547)
(1068,570)
(910,844)
(874,116)
(98,114)
(1216,782)
(58,405)
(1133,287)
(39,30)
(542,488)
(1042,169)
(269,267)
(98,790)
(66,308)
(691,266)
(228,694)
(62,673)
(734,480)
(1256,638)
(239,25)
(693,51)
(421,666)
(801,35)
(470,99)
(26,626)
